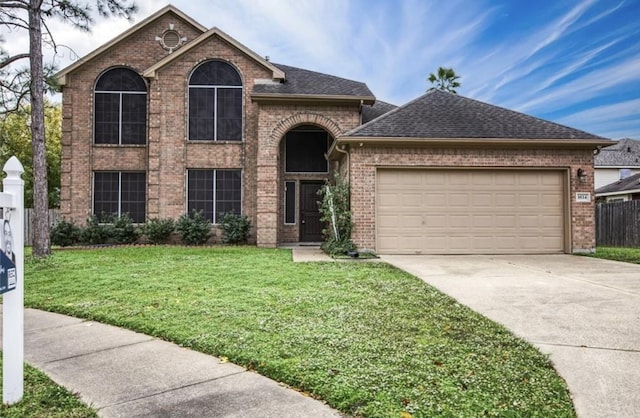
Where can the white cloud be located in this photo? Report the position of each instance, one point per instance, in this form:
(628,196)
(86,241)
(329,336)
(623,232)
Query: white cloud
(616,120)
(580,55)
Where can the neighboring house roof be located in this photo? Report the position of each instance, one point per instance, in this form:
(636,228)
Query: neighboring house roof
(440,114)
(301,83)
(377,109)
(61,76)
(624,154)
(625,186)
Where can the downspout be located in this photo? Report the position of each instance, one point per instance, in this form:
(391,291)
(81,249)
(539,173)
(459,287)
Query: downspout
(342,149)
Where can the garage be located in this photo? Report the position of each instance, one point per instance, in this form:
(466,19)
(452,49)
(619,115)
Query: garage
(470,211)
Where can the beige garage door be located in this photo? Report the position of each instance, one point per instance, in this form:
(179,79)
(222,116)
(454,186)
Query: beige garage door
(469,211)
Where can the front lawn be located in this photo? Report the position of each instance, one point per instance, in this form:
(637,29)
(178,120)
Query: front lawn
(365,337)
(630,255)
(44,399)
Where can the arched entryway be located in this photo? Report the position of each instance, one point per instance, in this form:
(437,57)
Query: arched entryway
(271,228)
(303,169)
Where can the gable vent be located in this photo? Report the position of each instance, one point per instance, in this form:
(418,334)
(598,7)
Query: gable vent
(171,39)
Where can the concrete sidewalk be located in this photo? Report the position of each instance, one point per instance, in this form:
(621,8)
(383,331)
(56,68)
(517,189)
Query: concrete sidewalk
(126,374)
(304,254)
(583,312)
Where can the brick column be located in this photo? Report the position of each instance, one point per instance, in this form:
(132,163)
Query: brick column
(267,194)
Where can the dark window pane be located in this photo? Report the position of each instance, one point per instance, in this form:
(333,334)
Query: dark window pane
(105,194)
(215,73)
(229,115)
(215,112)
(133,196)
(107,118)
(116,193)
(228,192)
(290,202)
(134,118)
(121,79)
(200,192)
(201,113)
(120,115)
(305,152)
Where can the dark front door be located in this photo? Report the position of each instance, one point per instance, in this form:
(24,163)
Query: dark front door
(310,225)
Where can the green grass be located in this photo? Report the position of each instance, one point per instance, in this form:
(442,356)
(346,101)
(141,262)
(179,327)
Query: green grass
(629,255)
(365,337)
(44,399)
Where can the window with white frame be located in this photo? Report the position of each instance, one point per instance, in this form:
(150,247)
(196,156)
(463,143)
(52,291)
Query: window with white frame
(120,106)
(214,192)
(215,103)
(119,193)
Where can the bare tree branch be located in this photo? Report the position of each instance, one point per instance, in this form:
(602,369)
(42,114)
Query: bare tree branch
(19,85)
(11,60)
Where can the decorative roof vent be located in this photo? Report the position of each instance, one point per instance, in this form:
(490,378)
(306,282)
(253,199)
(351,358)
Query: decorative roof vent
(171,39)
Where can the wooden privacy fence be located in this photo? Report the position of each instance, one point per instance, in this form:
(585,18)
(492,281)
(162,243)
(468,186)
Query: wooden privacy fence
(618,224)
(54,216)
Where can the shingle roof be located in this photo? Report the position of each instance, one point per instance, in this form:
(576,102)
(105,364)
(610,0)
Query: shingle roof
(375,110)
(439,114)
(625,153)
(304,82)
(628,184)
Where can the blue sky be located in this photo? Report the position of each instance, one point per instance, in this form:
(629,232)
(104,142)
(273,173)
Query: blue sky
(571,62)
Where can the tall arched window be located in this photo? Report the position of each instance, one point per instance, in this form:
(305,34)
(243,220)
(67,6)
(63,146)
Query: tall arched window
(120,108)
(215,103)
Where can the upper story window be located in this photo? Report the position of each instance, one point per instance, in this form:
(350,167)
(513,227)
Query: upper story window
(215,103)
(120,108)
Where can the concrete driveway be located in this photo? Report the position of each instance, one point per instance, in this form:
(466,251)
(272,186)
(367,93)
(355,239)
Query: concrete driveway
(584,312)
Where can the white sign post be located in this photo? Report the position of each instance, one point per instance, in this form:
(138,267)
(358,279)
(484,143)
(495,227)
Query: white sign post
(12,202)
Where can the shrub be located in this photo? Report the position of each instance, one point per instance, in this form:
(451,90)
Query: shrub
(194,228)
(158,231)
(95,233)
(65,233)
(336,215)
(109,229)
(122,230)
(235,228)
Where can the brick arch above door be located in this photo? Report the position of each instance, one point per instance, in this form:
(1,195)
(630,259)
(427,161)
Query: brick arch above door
(268,175)
(305,118)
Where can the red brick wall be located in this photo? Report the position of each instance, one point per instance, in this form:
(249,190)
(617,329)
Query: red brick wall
(364,161)
(273,123)
(79,156)
(168,154)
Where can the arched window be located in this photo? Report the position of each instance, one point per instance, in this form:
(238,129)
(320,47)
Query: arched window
(215,103)
(120,108)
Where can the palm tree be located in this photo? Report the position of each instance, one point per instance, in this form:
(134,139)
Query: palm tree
(446,79)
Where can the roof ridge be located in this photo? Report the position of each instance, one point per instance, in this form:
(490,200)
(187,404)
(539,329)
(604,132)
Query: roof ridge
(442,114)
(315,72)
(527,115)
(61,75)
(384,115)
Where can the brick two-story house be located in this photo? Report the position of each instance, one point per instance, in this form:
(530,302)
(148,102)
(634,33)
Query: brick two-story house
(170,117)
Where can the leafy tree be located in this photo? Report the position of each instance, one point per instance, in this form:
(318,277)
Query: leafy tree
(15,139)
(445,79)
(19,85)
